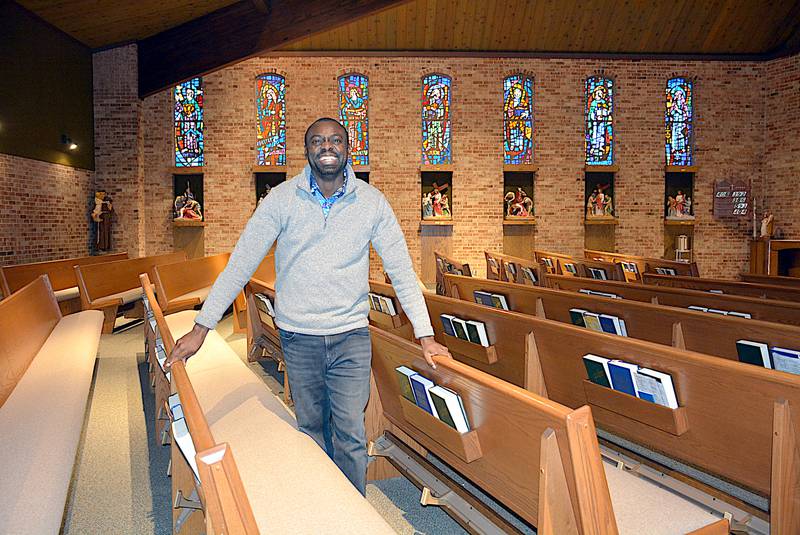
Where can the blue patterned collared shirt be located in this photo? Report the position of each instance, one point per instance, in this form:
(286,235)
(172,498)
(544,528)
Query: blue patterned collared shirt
(323,202)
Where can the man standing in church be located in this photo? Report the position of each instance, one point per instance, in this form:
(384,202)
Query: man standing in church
(324,220)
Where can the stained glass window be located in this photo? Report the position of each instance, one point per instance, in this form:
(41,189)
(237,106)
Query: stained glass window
(436,120)
(599,121)
(271,124)
(353,107)
(517,120)
(678,117)
(188,115)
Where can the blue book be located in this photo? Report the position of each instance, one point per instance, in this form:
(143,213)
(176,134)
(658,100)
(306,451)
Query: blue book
(421,386)
(447,324)
(607,324)
(622,376)
(483,298)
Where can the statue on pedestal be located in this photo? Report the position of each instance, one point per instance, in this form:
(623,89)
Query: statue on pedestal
(187,207)
(767,225)
(101,216)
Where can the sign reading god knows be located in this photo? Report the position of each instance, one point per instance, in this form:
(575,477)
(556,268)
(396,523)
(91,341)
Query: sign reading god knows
(731,200)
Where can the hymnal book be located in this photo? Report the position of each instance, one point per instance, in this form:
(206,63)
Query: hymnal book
(756,353)
(576,315)
(592,321)
(264,304)
(604,294)
(483,298)
(630,267)
(697,308)
(476,332)
(161,354)
(512,268)
(657,387)
(666,271)
(184,441)
(460,328)
(530,275)
(421,386)
(609,324)
(548,262)
(717,311)
(493,263)
(447,324)
(786,360)
(373,302)
(441,408)
(601,274)
(597,370)
(623,376)
(744,315)
(404,375)
(716,291)
(455,407)
(623,329)
(571,268)
(382,303)
(153,324)
(499,301)
(174,404)
(585,291)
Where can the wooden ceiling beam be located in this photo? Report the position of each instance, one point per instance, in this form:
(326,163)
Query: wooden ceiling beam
(237,32)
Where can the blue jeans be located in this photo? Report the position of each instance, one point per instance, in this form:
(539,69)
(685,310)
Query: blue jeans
(329,380)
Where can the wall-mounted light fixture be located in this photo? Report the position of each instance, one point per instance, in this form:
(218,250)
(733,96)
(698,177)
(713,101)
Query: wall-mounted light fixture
(71,145)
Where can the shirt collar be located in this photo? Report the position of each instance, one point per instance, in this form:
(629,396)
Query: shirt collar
(312,183)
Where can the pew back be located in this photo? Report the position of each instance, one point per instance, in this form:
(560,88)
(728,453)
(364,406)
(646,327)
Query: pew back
(508,425)
(27,318)
(774,280)
(612,270)
(771,310)
(180,278)
(643,263)
(97,281)
(553,262)
(510,268)
(749,289)
(60,272)
(448,265)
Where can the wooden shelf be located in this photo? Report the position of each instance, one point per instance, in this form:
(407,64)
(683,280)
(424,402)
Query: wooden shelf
(520,168)
(188,223)
(465,446)
(680,168)
(445,167)
(387,321)
(519,221)
(269,168)
(187,170)
(672,421)
(679,222)
(477,352)
(435,222)
(601,168)
(602,221)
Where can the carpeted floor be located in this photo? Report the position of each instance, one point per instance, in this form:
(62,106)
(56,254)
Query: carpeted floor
(120,483)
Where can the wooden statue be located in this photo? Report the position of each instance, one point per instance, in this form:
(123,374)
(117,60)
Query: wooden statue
(101,215)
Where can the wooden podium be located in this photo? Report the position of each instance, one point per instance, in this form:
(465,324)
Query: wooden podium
(775,257)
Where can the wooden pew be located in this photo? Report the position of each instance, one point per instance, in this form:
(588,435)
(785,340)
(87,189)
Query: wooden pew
(645,264)
(509,268)
(774,280)
(553,263)
(772,310)
(724,425)
(612,270)
(110,285)
(702,332)
(749,289)
(448,265)
(538,458)
(47,363)
(184,285)
(61,275)
(219,490)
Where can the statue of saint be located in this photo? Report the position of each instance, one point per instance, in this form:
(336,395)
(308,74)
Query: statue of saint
(101,215)
(767,225)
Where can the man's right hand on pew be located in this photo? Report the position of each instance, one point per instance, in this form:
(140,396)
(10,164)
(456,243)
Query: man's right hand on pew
(188,344)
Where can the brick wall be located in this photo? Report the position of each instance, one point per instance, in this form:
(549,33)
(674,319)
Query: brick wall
(730,139)
(119,136)
(782,153)
(45,210)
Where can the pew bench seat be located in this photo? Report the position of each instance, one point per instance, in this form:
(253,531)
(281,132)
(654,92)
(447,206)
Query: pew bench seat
(41,425)
(198,295)
(292,485)
(67,294)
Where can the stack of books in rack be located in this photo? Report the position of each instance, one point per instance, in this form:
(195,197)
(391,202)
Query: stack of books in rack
(529,274)
(447,267)
(490,299)
(264,304)
(436,400)
(511,271)
(775,358)
(597,273)
(604,323)
(382,303)
(629,267)
(570,267)
(548,263)
(601,294)
(643,383)
(666,271)
(468,330)
(731,313)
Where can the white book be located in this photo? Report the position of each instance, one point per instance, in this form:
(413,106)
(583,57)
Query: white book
(716,291)
(175,408)
(744,315)
(604,294)
(697,308)
(602,274)
(528,272)
(622,328)
(161,354)
(717,311)
(184,441)
(585,291)
(454,405)
(267,304)
(476,327)
(460,327)
(664,380)
(389,305)
(786,361)
(153,324)
(501,299)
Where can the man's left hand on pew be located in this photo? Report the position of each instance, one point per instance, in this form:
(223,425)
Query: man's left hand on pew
(431,347)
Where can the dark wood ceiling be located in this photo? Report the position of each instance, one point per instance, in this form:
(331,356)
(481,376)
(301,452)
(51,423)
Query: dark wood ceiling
(694,27)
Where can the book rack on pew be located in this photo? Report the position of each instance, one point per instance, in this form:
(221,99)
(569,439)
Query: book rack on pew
(448,265)
(538,458)
(646,264)
(737,424)
(750,289)
(772,310)
(513,269)
(711,334)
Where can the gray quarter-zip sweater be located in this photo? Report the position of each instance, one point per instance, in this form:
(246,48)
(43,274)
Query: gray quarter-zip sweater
(322,263)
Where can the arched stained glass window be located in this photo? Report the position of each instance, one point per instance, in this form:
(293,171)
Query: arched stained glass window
(188,119)
(679,121)
(353,108)
(599,121)
(271,119)
(436,120)
(517,120)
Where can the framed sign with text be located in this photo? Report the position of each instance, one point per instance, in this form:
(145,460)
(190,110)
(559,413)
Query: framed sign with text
(731,199)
